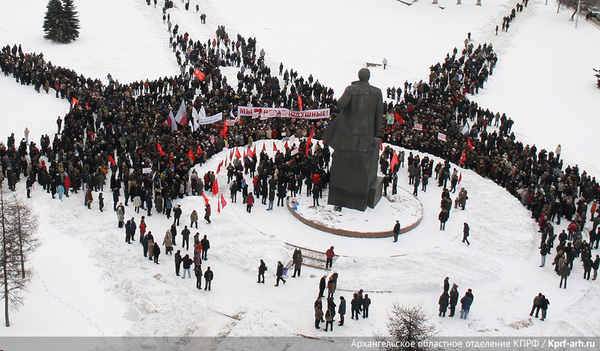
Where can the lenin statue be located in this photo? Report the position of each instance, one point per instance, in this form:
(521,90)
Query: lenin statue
(354,135)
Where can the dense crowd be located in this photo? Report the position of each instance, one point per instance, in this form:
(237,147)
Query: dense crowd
(118,131)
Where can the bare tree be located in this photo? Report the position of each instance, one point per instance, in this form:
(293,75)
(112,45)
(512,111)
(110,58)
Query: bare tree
(17,225)
(24,224)
(409,327)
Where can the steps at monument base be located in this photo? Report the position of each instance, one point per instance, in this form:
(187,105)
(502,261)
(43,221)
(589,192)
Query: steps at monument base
(313,258)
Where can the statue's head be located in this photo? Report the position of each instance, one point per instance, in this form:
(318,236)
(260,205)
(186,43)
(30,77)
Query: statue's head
(364,74)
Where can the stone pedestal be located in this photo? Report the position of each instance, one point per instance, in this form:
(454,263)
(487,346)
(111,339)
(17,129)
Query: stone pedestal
(375,192)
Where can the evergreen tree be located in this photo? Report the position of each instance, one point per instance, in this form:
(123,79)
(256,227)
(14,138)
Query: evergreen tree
(71,28)
(597,75)
(61,23)
(52,20)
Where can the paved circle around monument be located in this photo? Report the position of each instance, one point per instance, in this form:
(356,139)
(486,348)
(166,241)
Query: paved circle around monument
(402,206)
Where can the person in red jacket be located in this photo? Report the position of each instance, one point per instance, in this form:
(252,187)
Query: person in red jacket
(329,253)
(249,203)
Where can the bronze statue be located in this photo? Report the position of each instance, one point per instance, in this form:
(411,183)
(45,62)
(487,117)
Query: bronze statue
(354,135)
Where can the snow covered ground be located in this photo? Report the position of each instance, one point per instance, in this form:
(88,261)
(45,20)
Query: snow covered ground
(88,282)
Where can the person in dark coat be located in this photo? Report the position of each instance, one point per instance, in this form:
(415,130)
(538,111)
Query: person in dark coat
(443,302)
(101,201)
(156,252)
(187,263)
(355,306)
(466,302)
(279,273)
(177,262)
(587,267)
(446,284)
(297,258)
(365,306)
(208,277)
(185,238)
(537,301)
(342,310)
(198,273)
(177,215)
(453,299)
(544,306)
(322,286)
(262,268)
(174,234)
(443,217)
(396,230)
(205,246)
(466,234)
(128,232)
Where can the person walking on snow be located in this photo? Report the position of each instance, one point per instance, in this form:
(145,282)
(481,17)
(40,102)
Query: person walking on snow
(262,268)
(537,302)
(279,273)
(466,234)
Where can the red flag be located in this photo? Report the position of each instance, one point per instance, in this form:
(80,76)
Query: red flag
(199,151)
(237,153)
(309,141)
(111,160)
(250,152)
(87,105)
(74,101)
(275,147)
(300,102)
(381,145)
(170,158)
(223,202)
(219,167)
(264,147)
(463,158)
(191,155)
(219,206)
(215,187)
(230,155)
(224,130)
(398,118)
(160,149)
(285,145)
(205,198)
(469,143)
(199,74)
(395,161)
(459,177)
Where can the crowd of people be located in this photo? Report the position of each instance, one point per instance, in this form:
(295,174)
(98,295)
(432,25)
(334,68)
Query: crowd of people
(117,132)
